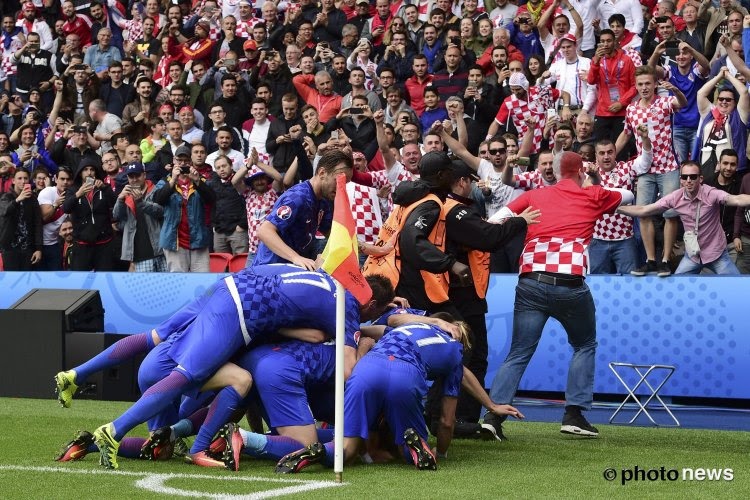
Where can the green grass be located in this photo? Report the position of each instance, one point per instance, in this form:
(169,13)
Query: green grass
(537,462)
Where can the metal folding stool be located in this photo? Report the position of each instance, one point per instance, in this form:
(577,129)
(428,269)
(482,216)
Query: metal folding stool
(643,408)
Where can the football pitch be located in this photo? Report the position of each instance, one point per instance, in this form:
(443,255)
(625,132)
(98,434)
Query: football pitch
(536,462)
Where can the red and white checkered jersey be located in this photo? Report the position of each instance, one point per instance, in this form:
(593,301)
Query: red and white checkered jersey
(541,98)
(558,244)
(258,206)
(530,180)
(245,28)
(634,56)
(365,210)
(658,118)
(393,177)
(8,68)
(616,227)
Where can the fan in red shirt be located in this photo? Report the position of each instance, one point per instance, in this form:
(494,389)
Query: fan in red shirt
(551,284)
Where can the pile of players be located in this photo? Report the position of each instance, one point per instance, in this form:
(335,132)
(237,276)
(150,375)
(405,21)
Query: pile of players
(259,342)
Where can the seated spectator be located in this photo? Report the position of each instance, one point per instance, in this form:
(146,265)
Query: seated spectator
(184,236)
(136,114)
(80,150)
(322,96)
(40,179)
(433,111)
(224,143)
(313,128)
(101,55)
(228,216)
(255,130)
(20,225)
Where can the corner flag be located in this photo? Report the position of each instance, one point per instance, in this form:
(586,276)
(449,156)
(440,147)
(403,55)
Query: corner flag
(340,258)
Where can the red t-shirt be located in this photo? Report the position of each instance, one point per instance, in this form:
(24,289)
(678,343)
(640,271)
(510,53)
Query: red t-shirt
(183,230)
(558,243)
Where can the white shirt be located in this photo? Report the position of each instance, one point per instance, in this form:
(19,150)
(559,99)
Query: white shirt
(631,9)
(48,196)
(238,159)
(108,126)
(569,78)
(193,135)
(502,194)
(258,135)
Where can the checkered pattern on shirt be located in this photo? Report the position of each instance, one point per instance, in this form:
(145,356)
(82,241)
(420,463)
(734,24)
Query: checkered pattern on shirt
(555,255)
(262,305)
(540,99)
(380,179)
(257,206)
(394,343)
(634,56)
(616,227)
(134,29)
(245,28)
(317,361)
(363,201)
(529,180)
(658,118)
(8,68)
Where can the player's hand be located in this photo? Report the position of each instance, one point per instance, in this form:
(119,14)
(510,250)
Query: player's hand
(738,245)
(449,328)
(399,302)
(506,410)
(530,215)
(461,271)
(305,263)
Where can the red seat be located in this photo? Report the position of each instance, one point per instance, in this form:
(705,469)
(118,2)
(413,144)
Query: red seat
(218,262)
(1,262)
(237,262)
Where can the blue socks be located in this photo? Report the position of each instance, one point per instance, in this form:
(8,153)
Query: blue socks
(129,448)
(115,354)
(325,435)
(219,413)
(153,401)
(330,452)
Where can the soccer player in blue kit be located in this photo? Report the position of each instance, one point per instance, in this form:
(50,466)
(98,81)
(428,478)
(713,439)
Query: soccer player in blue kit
(288,233)
(392,379)
(238,310)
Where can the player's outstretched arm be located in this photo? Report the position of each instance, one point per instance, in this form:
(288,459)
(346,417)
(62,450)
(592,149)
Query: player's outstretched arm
(446,425)
(473,387)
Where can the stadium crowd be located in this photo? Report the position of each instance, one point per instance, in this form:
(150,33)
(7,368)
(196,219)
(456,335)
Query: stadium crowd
(142,136)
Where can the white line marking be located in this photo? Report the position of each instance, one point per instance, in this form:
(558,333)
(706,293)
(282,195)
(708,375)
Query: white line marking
(155,482)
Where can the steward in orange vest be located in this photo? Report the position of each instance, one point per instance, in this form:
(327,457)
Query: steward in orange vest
(418,266)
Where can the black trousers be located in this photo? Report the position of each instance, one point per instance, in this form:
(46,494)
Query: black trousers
(17,260)
(475,360)
(92,257)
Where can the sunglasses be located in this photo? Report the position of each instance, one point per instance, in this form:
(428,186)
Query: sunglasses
(496,151)
(726,99)
(692,177)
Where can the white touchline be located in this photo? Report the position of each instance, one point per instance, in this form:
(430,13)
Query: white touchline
(155,482)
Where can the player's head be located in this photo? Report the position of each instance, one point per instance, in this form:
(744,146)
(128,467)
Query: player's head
(463,327)
(382,295)
(332,163)
(569,165)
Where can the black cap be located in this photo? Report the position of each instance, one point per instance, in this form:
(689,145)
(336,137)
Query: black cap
(182,151)
(135,167)
(432,163)
(461,169)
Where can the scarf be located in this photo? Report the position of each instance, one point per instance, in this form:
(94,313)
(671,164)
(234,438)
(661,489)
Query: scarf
(719,120)
(535,12)
(130,202)
(376,23)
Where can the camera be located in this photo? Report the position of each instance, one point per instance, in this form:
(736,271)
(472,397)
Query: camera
(524,20)
(356,111)
(455,40)
(325,45)
(184,170)
(79,67)
(672,48)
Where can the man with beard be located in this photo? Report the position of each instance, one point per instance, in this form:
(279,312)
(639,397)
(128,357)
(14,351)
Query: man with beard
(76,23)
(322,96)
(34,67)
(30,23)
(278,78)
(51,199)
(416,84)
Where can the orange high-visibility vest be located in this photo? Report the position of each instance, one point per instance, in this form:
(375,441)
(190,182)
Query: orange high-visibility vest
(479,262)
(389,265)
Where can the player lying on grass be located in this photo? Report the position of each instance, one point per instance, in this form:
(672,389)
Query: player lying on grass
(391,379)
(240,309)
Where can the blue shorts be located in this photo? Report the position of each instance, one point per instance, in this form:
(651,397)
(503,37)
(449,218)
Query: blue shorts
(156,366)
(278,380)
(185,315)
(210,339)
(656,186)
(386,385)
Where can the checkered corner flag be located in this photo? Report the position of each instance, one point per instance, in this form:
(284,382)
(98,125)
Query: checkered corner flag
(340,258)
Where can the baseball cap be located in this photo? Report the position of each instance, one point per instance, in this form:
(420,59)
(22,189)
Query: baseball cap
(433,163)
(135,167)
(182,151)
(256,172)
(461,169)
(362,1)
(568,37)
(250,45)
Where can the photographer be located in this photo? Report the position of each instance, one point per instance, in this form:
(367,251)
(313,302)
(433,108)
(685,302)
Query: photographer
(34,66)
(184,193)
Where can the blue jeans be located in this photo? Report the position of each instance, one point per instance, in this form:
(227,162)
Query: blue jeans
(612,257)
(574,309)
(722,265)
(683,139)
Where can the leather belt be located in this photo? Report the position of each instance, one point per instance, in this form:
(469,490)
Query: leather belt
(572,282)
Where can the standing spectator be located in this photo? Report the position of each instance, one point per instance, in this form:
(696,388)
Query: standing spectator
(583,136)
(29,154)
(728,180)
(613,248)
(79,24)
(184,236)
(699,207)
(613,74)
(107,124)
(51,200)
(662,178)
(417,83)
(322,96)
(228,216)
(233,102)
(113,91)
(629,9)
(217,115)
(358,125)
(279,143)
(453,79)
(570,72)
(89,203)
(328,21)
(101,55)
(560,26)
(694,33)
(12,38)
(20,225)
(140,218)
(34,67)
(33,23)
(255,130)
(689,74)
(723,125)
(136,115)
(357,81)
(80,150)
(224,143)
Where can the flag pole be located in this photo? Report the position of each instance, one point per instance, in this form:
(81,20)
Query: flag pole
(338,434)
